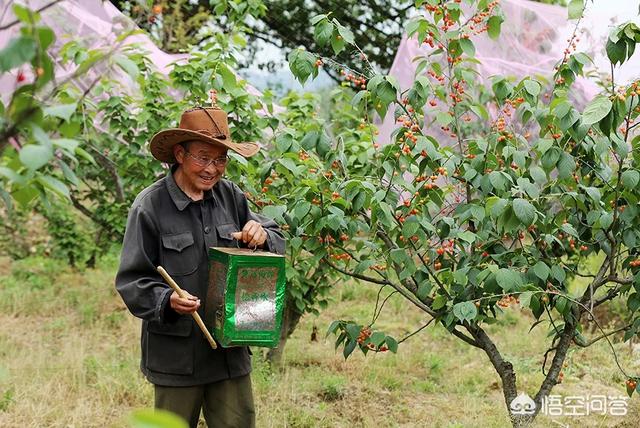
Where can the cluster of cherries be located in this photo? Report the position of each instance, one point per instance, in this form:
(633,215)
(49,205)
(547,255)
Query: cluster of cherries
(365,334)
(358,82)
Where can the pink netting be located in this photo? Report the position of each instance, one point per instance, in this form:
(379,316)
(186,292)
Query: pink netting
(95,24)
(533,39)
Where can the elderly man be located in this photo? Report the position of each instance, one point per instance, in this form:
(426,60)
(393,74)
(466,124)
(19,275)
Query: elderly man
(172,223)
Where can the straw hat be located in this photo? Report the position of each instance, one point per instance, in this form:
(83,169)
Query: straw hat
(206,124)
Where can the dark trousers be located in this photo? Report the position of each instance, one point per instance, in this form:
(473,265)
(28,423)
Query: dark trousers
(227,403)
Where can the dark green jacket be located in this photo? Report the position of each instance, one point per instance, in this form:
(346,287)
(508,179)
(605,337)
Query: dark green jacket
(165,227)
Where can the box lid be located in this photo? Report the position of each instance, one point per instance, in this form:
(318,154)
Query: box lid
(244,252)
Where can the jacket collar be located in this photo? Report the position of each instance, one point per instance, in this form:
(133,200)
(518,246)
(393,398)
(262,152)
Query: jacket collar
(179,198)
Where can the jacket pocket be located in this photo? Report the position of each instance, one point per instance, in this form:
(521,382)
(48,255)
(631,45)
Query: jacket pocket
(179,255)
(225,230)
(170,347)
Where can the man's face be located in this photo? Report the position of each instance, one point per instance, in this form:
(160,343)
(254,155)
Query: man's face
(193,161)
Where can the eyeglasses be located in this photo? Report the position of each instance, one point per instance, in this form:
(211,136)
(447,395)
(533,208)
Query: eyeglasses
(205,162)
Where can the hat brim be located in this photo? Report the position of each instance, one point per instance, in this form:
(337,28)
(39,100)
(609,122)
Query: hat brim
(162,143)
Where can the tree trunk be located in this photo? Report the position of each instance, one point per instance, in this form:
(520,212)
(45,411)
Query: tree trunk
(505,370)
(290,319)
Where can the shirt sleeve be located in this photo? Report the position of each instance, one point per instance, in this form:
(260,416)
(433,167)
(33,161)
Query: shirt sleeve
(276,242)
(139,284)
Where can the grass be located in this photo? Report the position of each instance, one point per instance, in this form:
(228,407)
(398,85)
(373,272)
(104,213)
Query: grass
(69,355)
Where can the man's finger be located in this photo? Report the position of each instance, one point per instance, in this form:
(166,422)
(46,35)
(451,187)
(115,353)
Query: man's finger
(246,232)
(253,231)
(258,238)
(236,235)
(189,302)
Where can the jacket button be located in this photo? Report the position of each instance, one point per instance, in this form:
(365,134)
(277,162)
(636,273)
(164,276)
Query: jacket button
(207,229)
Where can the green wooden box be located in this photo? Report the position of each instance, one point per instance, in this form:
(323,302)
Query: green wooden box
(245,297)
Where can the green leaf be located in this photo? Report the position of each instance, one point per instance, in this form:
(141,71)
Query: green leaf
(525,299)
(349,347)
(497,207)
(10,174)
(634,302)
(524,210)
(229,80)
(17,52)
(386,92)
(569,229)
(302,209)
(480,111)
(333,327)
(364,265)
(301,64)
(25,14)
(156,418)
(69,175)
(424,288)
(46,36)
(465,311)
(576,7)
(130,67)
(616,51)
(346,34)
(324,145)
(593,192)
(468,236)
(410,228)
(54,184)
(439,302)
(497,180)
(566,165)
(508,279)
(398,255)
(25,194)
(337,43)
(34,156)
(558,273)
(532,87)
(444,118)
(392,344)
(310,140)
(63,111)
(606,219)
(467,47)
(493,26)
(323,32)
(317,19)
(630,178)
(541,270)
(544,144)
(289,164)
(275,212)
(538,174)
(596,110)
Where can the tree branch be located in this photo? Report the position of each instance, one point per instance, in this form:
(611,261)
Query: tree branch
(591,342)
(556,364)
(84,210)
(357,275)
(503,367)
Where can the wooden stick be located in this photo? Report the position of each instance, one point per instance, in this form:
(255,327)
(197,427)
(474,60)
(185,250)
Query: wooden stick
(195,315)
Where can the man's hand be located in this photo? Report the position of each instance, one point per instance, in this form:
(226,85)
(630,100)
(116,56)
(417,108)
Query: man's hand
(253,234)
(188,305)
